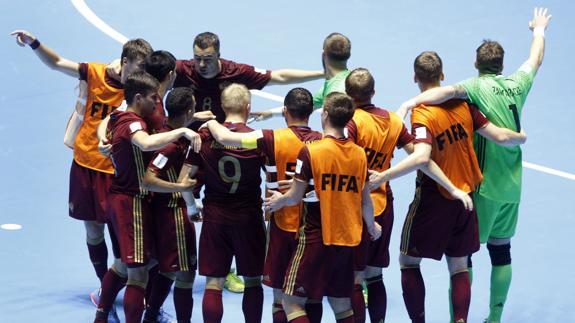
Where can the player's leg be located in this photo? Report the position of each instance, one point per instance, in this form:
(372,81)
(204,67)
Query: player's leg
(357,299)
(413,287)
(294,306)
(135,293)
(183,297)
(161,289)
(460,288)
(253,300)
(377,295)
(212,306)
(341,307)
(97,248)
(114,280)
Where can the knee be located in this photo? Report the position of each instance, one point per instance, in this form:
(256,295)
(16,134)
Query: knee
(185,279)
(500,254)
(215,283)
(94,232)
(138,276)
(252,282)
(120,268)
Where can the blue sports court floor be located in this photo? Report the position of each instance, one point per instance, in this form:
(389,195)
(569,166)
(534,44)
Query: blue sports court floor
(45,272)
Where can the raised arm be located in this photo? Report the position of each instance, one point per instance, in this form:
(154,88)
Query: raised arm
(538,25)
(289,76)
(435,95)
(153,142)
(49,57)
(502,136)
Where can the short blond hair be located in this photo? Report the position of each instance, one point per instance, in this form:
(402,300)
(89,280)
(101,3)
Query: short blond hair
(235,98)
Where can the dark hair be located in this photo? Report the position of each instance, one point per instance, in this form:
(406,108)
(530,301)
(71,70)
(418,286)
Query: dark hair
(360,85)
(299,103)
(139,82)
(337,47)
(179,101)
(428,67)
(206,40)
(339,109)
(160,63)
(136,49)
(489,57)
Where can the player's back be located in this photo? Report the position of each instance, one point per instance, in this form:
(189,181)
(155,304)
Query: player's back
(501,99)
(232,179)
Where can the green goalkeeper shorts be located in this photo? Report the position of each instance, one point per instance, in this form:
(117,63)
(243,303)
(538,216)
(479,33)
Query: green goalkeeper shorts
(496,219)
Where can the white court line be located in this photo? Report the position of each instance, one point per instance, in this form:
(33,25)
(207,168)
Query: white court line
(85,11)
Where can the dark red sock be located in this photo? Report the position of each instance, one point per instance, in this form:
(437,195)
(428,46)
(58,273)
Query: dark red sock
(278,313)
(314,311)
(377,299)
(160,291)
(184,303)
(212,307)
(112,284)
(152,276)
(99,257)
(134,303)
(358,304)
(253,304)
(301,319)
(460,295)
(413,293)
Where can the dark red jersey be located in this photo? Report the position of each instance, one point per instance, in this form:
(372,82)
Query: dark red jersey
(167,164)
(156,121)
(231,176)
(208,91)
(129,161)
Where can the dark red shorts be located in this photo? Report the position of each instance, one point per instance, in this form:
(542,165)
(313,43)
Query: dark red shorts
(130,217)
(316,270)
(281,246)
(219,243)
(174,238)
(436,225)
(376,253)
(87,198)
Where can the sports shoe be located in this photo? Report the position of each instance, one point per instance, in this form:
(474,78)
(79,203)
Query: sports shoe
(165,317)
(364,290)
(234,283)
(95,296)
(113,315)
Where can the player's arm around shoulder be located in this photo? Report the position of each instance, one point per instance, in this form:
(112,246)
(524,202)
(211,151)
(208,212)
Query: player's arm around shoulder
(147,142)
(48,56)
(435,95)
(229,138)
(289,76)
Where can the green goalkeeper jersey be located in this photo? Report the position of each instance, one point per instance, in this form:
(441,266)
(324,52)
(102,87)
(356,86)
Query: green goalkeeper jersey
(334,84)
(501,99)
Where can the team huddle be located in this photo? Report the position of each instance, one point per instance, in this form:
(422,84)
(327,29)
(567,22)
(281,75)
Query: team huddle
(150,132)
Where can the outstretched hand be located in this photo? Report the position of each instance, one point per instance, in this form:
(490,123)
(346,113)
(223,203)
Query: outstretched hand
(540,18)
(23,37)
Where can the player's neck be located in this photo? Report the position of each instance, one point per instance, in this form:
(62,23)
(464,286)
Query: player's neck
(234,118)
(134,109)
(177,122)
(334,68)
(332,131)
(426,86)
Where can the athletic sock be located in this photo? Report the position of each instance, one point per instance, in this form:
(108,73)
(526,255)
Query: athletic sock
(184,304)
(112,284)
(252,303)
(376,299)
(314,311)
(347,316)
(278,313)
(134,303)
(500,282)
(358,304)
(99,257)
(152,276)
(212,307)
(470,272)
(159,293)
(460,295)
(300,319)
(413,293)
